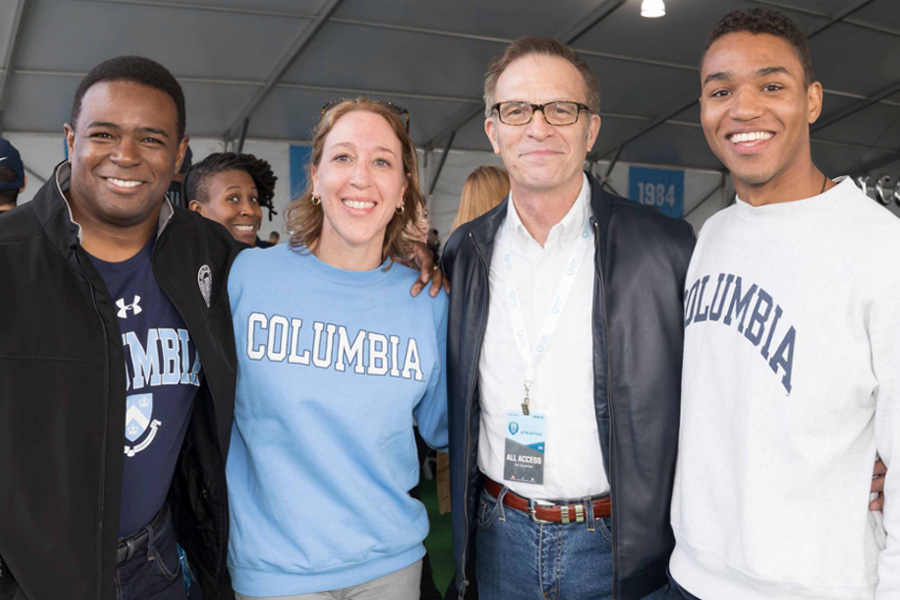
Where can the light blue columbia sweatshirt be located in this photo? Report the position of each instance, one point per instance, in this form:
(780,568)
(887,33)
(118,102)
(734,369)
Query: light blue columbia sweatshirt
(332,367)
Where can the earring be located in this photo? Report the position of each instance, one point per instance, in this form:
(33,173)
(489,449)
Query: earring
(400,209)
(316,200)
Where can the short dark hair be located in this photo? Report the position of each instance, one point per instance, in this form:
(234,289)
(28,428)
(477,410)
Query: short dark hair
(8,175)
(545,46)
(196,182)
(764,20)
(139,70)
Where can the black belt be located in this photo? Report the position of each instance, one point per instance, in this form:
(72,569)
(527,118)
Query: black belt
(138,541)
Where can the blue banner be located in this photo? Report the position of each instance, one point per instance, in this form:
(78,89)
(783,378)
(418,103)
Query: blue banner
(299,161)
(660,188)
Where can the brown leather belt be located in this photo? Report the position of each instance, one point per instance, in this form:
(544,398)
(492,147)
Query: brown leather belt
(547,512)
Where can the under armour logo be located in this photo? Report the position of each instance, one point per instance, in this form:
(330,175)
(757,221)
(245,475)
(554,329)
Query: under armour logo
(124,308)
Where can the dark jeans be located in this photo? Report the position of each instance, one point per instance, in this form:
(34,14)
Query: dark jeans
(153,573)
(676,592)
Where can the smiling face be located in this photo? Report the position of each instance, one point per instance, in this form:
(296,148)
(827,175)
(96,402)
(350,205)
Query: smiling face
(361,181)
(756,109)
(542,158)
(124,152)
(232,200)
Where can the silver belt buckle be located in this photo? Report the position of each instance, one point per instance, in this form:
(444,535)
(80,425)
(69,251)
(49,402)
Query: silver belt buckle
(531,510)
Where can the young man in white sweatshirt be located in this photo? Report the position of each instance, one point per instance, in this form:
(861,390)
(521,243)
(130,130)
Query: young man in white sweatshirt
(791,379)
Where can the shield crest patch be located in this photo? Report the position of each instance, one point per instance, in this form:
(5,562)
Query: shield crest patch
(514,428)
(138,412)
(204,280)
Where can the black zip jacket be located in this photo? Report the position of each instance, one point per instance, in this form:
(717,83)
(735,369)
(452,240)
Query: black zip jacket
(641,259)
(62,401)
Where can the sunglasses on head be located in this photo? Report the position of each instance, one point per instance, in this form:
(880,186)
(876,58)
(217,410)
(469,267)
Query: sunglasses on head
(398,110)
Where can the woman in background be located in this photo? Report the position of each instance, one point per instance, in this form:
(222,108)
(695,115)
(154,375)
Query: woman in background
(335,360)
(231,189)
(484,189)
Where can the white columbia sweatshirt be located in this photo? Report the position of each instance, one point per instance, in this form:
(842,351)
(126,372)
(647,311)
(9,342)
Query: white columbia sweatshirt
(791,385)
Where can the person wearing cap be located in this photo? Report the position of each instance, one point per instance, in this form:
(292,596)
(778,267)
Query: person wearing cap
(12,175)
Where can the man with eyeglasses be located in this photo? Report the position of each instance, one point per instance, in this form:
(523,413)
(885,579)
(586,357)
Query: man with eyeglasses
(564,356)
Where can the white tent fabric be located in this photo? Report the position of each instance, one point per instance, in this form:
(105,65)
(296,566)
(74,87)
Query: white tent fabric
(271,64)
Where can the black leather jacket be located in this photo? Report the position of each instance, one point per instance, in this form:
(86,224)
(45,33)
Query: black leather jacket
(62,402)
(641,260)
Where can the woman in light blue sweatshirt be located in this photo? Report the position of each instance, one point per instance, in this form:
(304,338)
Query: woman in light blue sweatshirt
(336,362)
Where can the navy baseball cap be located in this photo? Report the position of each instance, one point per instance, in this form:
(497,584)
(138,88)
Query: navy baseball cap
(9,158)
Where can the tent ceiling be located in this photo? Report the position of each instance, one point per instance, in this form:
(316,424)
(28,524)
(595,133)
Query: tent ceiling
(280,60)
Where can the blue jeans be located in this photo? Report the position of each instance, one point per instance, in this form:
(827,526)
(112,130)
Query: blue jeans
(153,573)
(518,558)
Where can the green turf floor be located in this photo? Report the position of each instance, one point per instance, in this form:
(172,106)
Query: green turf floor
(440,537)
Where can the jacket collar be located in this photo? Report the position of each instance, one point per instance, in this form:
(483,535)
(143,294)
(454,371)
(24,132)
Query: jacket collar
(55,215)
(484,228)
(601,205)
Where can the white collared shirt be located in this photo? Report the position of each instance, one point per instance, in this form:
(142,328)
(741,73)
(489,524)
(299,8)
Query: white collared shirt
(563,387)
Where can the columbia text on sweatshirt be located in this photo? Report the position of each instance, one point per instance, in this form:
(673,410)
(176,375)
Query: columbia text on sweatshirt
(791,384)
(333,366)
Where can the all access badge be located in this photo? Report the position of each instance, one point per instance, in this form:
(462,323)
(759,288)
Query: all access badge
(204,280)
(525,447)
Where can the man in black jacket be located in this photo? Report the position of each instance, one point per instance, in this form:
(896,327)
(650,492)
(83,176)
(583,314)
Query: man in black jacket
(103,273)
(564,356)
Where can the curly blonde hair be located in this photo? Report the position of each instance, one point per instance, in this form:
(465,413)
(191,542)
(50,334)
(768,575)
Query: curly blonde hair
(305,219)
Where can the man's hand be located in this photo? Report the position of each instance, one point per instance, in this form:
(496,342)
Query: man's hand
(423,260)
(878,485)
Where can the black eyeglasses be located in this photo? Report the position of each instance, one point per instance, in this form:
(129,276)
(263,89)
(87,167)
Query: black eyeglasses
(561,112)
(398,110)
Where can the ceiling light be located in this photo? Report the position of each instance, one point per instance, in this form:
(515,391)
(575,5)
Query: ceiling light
(653,9)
